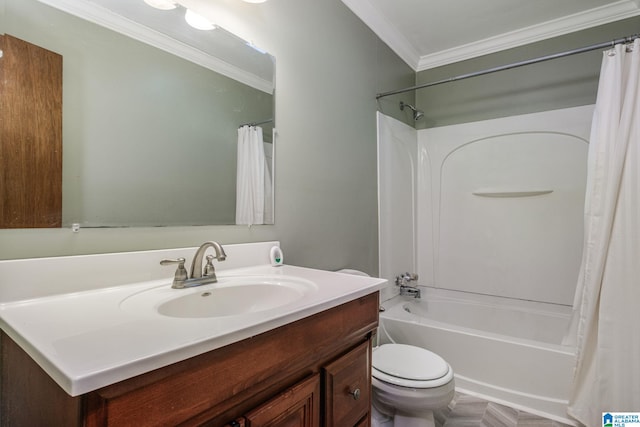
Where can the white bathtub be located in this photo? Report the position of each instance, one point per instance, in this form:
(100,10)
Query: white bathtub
(504,350)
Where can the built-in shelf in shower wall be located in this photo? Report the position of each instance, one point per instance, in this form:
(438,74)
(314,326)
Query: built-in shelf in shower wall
(510,193)
(500,204)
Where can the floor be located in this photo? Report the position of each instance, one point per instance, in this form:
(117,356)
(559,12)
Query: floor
(469,411)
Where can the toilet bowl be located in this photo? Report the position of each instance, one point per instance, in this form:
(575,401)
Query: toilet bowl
(408,383)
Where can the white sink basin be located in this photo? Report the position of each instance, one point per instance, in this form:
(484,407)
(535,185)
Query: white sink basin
(230,296)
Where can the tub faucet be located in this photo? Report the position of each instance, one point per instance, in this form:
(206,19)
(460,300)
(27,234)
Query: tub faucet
(405,288)
(182,279)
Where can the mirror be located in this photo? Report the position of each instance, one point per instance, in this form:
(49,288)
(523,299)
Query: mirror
(150,110)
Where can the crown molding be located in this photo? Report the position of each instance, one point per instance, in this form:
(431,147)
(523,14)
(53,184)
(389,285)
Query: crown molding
(404,49)
(557,27)
(378,23)
(105,18)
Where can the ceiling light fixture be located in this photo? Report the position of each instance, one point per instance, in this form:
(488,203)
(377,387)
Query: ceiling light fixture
(254,1)
(198,21)
(162,4)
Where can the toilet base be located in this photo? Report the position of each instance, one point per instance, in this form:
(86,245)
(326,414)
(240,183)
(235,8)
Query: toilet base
(401,419)
(424,419)
(379,419)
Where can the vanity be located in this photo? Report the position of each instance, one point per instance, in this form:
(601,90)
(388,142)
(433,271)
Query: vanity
(110,356)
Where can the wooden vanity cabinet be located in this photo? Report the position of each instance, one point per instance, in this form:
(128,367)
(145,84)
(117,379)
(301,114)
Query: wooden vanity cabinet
(305,373)
(347,389)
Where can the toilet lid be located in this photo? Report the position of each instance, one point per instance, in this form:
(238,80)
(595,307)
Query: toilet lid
(409,362)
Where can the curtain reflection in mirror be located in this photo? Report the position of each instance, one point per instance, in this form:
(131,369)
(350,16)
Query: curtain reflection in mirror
(254,194)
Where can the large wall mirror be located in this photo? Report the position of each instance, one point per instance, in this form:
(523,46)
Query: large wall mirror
(151,109)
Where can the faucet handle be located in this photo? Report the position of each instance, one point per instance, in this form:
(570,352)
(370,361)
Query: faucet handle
(209,269)
(411,276)
(180,261)
(181,272)
(405,278)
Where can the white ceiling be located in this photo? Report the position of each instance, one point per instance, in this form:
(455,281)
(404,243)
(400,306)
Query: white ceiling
(430,33)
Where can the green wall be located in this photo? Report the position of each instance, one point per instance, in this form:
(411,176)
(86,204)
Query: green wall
(329,68)
(561,83)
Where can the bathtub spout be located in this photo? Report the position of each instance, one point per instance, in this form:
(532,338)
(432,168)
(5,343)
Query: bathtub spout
(405,289)
(410,291)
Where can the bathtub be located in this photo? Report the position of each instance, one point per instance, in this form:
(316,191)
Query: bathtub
(503,350)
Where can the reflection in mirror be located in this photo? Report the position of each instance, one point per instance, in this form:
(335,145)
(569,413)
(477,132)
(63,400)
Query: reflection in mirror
(149,119)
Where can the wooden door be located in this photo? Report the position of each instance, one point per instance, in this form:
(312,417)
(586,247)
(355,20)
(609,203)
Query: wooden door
(347,390)
(297,407)
(30,135)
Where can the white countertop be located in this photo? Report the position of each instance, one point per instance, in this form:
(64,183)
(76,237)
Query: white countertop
(85,340)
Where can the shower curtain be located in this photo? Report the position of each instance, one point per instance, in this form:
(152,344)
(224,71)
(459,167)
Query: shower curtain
(253,183)
(606,317)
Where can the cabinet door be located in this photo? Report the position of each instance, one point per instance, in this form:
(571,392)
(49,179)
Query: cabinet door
(299,406)
(348,388)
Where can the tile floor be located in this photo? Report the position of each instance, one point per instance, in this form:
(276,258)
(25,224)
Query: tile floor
(469,411)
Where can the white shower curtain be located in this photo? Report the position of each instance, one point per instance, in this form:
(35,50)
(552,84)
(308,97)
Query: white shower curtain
(253,183)
(606,318)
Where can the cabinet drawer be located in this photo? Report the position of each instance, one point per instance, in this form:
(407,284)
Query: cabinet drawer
(348,387)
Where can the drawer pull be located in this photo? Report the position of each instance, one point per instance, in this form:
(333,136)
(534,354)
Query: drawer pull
(355,393)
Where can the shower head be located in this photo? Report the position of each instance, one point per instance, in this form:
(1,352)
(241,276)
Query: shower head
(417,114)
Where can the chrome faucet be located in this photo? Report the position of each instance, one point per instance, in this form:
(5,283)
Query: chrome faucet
(197,277)
(405,288)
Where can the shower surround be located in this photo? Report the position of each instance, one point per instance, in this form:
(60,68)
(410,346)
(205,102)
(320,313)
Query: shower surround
(487,209)
(500,205)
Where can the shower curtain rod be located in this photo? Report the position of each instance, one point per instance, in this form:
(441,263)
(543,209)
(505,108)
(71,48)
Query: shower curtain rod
(609,44)
(256,123)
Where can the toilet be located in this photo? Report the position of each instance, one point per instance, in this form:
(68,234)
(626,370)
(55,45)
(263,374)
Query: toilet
(408,383)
